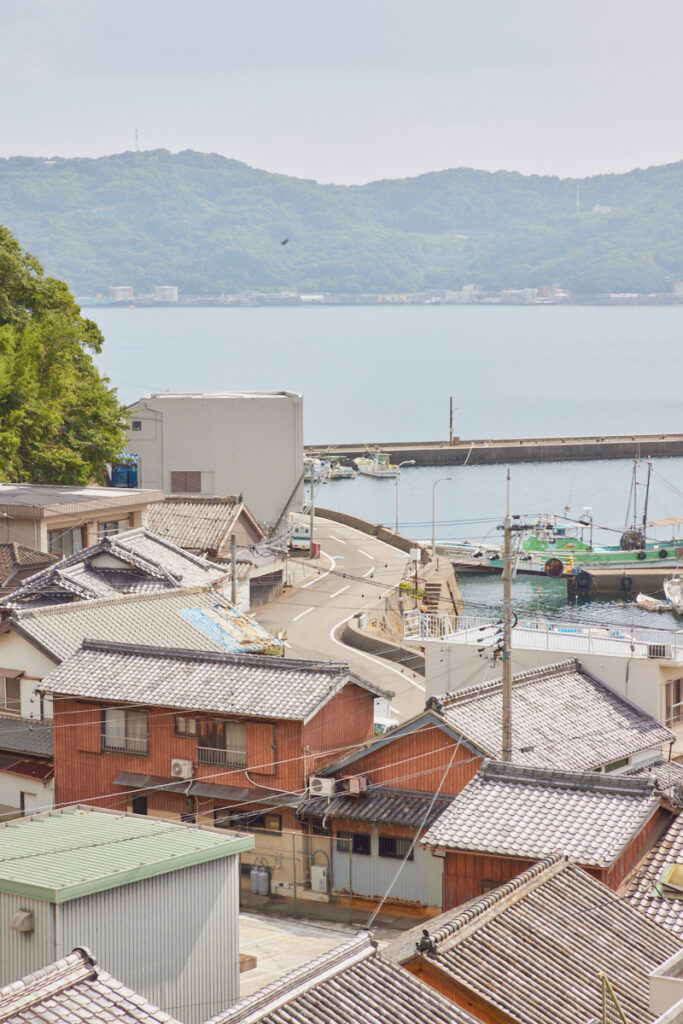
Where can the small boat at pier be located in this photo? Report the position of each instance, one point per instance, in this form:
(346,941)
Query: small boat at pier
(377,464)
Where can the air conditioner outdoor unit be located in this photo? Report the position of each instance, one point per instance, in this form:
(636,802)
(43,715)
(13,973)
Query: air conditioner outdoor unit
(181,769)
(318,786)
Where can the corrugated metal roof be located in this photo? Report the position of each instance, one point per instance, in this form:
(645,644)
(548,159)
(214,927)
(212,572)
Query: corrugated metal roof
(74,989)
(249,684)
(41,500)
(158,619)
(77,851)
(508,810)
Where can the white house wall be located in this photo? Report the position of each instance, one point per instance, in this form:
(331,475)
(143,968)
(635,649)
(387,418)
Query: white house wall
(17,653)
(39,795)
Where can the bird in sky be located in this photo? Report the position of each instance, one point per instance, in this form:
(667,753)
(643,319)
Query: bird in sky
(284,241)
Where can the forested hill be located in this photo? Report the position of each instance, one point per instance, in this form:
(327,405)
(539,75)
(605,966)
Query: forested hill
(212,225)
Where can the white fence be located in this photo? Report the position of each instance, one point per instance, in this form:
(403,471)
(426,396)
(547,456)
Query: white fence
(539,635)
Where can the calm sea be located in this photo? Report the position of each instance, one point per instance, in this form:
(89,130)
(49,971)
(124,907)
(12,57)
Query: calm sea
(372,374)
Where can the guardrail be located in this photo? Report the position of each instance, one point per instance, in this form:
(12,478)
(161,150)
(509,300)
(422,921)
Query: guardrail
(538,634)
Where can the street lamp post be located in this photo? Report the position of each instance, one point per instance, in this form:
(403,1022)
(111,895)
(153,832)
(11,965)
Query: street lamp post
(440,480)
(408,462)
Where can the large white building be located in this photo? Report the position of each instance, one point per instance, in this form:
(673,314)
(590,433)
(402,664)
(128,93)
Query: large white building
(222,443)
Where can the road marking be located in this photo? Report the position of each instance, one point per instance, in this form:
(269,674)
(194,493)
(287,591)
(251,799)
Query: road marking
(338,592)
(338,539)
(362,654)
(317,579)
(368,573)
(301,614)
(361,552)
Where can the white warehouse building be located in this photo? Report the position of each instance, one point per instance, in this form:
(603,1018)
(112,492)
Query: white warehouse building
(222,443)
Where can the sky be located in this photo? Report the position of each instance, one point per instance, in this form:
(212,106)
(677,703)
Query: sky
(349,91)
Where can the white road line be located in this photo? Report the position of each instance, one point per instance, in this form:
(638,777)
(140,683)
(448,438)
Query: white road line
(361,552)
(368,573)
(301,614)
(338,539)
(317,579)
(338,592)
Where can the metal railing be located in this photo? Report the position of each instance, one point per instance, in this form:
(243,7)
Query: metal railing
(126,744)
(538,634)
(223,756)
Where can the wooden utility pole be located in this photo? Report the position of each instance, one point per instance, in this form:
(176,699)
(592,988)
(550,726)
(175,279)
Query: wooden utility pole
(450,427)
(507,629)
(312,510)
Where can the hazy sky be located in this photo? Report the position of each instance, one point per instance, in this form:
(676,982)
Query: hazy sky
(349,90)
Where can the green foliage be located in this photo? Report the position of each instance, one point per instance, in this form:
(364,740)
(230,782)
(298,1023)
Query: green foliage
(208,224)
(60,422)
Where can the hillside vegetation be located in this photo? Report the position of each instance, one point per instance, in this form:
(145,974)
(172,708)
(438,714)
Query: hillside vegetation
(212,225)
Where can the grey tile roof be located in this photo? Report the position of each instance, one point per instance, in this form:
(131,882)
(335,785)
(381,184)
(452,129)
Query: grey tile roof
(644,890)
(352,984)
(75,989)
(194,619)
(379,805)
(26,736)
(199,524)
(251,684)
(17,561)
(532,949)
(563,718)
(667,774)
(131,562)
(514,811)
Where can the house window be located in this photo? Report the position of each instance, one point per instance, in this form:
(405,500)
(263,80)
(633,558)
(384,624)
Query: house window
(10,696)
(395,846)
(186,481)
(139,804)
(223,817)
(672,695)
(125,731)
(222,743)
(66,542)
(354,842)
(136,425)
(113,527)
(185,726)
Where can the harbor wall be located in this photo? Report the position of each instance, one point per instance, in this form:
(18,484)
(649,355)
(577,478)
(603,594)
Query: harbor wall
(490,451)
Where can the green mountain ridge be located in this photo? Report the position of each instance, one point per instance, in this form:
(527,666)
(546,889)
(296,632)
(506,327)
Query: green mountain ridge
(210,224)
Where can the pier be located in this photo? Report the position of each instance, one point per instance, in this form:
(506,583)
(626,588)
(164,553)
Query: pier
(623,581)
(491,451)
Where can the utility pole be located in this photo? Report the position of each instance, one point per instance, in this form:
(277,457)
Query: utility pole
(450,424)
(507,629)
(312,526)
(233,563)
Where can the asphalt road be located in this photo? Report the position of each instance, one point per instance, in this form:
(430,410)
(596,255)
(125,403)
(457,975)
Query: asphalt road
(355,571)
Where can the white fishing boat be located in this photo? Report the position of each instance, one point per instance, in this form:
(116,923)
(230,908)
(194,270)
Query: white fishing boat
(316,470)
(377,464)
(338,470)
(673,589)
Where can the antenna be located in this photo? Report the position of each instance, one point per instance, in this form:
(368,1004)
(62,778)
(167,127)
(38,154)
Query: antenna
(137,142)
(578,199)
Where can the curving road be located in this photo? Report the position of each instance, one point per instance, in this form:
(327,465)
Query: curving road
(355,571)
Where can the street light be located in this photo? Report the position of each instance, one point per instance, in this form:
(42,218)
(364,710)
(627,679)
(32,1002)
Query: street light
(408,462)
(440,480)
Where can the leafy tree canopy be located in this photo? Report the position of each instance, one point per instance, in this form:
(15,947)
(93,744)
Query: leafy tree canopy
(209,224)
(60,421)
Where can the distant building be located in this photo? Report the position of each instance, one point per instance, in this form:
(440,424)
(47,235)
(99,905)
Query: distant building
(158,900)
(222,443)
(121,293)
(165,293)
(62,519)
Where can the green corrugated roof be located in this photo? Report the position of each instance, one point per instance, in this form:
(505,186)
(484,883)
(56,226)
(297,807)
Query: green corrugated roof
(78,851)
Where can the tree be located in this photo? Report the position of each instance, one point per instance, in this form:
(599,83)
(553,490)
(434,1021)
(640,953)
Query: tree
(60,421)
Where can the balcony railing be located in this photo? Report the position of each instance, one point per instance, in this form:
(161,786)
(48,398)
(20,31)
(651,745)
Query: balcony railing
(223,756)
(126,745)
(537,634)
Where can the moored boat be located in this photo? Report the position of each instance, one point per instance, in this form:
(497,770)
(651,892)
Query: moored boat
(377,464)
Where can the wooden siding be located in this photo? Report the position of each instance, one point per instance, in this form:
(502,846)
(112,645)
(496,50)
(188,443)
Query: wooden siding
(467,876)
(418,761)
(633,852)
(347,719)
(459,994)
(262,748)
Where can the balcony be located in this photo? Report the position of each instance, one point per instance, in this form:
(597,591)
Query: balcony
(567,638)
(225,757)
(126,745)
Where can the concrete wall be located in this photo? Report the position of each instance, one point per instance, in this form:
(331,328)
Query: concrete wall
(38,795)
(241,443)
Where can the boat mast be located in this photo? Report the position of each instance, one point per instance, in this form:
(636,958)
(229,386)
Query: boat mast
(647,497)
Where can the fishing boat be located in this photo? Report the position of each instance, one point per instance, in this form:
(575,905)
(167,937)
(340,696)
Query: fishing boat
(315,470)
(377,464)
(673,589)
(338,470)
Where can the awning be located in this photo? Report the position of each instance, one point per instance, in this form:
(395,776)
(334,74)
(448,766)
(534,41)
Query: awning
(11,673)
(210,790)
(667,521)
(32,769)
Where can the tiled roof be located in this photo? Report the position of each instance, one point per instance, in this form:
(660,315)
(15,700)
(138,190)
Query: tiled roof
(192,619)
(532,949)
(26,736)
(199,524)
(66,854)
(353,983)
(667,774)
(17,559)
(644,889)
(131,562)
(75,989)
(513,811)
(563,718)
(234,684)
(383,805)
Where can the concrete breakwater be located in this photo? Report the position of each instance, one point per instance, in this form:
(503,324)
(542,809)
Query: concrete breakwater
(489,451)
